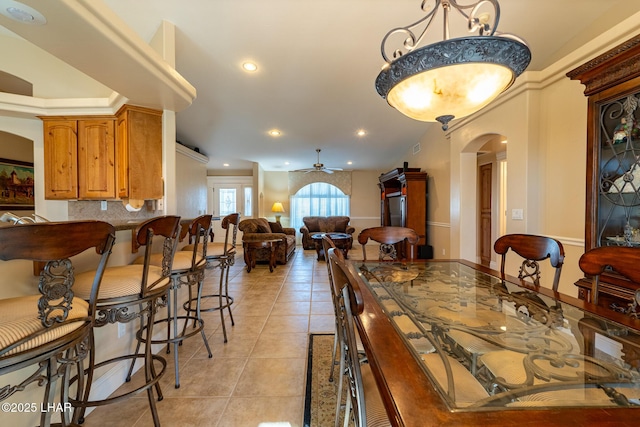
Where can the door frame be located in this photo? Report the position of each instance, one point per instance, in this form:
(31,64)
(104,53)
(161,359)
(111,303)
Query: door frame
(213,182)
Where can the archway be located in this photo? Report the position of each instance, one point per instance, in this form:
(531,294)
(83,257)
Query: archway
(481,190)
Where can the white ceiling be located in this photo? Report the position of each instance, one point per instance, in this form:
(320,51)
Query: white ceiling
(318,61)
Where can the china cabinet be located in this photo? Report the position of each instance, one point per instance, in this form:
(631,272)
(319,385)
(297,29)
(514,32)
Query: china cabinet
(612,82)
(403,202)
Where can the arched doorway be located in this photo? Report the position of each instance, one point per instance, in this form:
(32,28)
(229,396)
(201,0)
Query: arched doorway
(483,185)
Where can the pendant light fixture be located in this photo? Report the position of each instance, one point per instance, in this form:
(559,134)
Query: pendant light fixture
(455,77)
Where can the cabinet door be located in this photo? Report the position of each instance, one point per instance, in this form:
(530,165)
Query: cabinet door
(615,182)
(96,159)
(60,159)
(139,142)
(122,157)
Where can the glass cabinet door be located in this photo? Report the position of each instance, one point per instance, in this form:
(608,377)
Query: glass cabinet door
(618,187)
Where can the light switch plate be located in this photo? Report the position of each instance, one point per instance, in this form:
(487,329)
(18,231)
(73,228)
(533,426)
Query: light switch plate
(517,214)
(103,205)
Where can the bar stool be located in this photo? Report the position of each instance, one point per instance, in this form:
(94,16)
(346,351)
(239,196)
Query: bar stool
(53,328)
(124,288)
(223,262)
(187,269)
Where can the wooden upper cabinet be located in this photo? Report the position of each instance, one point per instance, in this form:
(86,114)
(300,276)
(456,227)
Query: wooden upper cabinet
(79,158)
(104,157)
(139,158)
(60,159)
(96,159)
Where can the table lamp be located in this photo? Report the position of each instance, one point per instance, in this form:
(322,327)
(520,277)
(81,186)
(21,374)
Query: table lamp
(278,209)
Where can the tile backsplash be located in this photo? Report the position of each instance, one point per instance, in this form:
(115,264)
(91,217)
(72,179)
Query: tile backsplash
(116,211)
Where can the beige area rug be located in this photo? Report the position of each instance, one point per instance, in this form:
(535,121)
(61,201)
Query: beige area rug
(320,399)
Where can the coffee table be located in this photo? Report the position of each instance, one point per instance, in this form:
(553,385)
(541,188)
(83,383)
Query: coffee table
(252,246)
(341,240)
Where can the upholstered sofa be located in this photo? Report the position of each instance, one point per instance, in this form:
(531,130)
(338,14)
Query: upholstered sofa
(257,229)
(324,224)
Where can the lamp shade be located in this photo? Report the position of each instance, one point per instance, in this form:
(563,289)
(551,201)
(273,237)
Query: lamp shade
(453,78)
(277,207)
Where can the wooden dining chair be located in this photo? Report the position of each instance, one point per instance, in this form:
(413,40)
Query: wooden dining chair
(364,405)
(532,248)
(389,237)
(327,244)
(624,260)
(50,330)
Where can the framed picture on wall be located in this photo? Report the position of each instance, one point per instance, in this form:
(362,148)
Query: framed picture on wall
(16,185)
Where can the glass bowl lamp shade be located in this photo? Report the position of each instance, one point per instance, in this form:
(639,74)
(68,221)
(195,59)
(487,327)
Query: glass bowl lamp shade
(452,78)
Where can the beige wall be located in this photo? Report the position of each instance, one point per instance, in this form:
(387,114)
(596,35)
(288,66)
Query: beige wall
(191,187)
(365,199)
(276,189)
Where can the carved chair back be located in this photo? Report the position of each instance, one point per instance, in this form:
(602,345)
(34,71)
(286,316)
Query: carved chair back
(533,249)
(388,237)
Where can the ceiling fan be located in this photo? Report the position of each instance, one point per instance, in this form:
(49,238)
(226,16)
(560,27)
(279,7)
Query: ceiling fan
(318,167)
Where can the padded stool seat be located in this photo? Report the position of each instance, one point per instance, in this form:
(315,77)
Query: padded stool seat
(19,320)
(121,281)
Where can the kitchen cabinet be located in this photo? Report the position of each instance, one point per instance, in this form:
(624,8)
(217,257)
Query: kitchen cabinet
(104,157)
(79,157)
(139,154)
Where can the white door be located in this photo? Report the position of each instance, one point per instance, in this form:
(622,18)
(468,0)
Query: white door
(226,196)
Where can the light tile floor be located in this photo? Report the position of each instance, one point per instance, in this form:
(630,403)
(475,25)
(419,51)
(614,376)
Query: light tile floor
(258,377)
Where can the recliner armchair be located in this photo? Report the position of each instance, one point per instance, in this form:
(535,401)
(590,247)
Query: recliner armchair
(324,224)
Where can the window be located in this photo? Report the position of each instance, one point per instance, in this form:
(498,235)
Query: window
(318,199)
(227,201)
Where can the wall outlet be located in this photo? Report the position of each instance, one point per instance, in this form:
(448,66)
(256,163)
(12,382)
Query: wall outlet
(160,205)
(103,205)
(122,329)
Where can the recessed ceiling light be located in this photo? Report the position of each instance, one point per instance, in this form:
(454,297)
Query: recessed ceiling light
(275,132)
(250,66)
(225,164)
(286,163)
(349,162)
(361,132)
(21,13)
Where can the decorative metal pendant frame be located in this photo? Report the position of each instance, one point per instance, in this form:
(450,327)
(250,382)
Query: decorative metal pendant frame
(488,46)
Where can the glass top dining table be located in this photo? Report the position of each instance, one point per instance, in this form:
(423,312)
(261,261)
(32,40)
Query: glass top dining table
(488,346)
